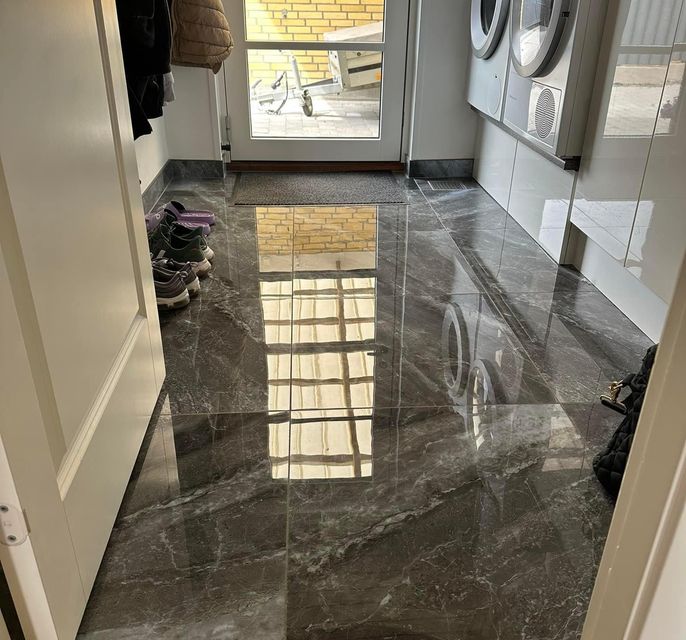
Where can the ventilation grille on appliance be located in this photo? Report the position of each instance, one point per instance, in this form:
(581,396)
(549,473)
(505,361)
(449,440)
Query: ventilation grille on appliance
(545,113)
(447,185)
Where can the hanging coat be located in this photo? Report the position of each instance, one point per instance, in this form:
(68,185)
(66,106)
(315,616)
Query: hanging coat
(201,36)
(145,31)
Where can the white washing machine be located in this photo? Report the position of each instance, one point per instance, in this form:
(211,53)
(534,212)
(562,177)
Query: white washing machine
(554,53)
(490,56)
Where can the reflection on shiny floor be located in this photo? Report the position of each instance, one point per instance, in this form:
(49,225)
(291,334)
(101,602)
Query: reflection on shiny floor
(378,423)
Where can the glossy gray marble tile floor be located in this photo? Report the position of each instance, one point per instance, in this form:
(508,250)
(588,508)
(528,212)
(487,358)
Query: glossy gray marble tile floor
(378,424)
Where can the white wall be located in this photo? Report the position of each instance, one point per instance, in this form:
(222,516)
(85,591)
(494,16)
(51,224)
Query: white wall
(443,124)
(192,119)
(189,129)
(152,152)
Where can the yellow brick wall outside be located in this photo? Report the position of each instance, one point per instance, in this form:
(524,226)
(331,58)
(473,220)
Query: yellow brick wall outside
(301,21)
(346,228)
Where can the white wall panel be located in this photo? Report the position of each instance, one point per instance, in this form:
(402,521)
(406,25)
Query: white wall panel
(539,199)
(666,618)
(645,309)
(494,161)
(624,114)
(658,239)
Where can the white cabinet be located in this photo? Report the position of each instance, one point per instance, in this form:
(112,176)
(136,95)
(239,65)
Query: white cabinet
(539,199)
(494,161)
(658,238)
(624,115)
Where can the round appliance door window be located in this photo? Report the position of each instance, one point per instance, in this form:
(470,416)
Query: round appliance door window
(488,21)
(537,27)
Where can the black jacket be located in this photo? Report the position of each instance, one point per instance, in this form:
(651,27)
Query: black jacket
(145,32)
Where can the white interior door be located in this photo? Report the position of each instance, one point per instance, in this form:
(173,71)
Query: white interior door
(79,335)
(310,81)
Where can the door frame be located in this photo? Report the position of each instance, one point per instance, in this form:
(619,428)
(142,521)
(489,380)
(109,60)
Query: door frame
(652,498)
(387,148)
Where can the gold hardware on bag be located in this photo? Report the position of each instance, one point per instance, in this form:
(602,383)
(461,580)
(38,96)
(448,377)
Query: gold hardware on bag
(610,399)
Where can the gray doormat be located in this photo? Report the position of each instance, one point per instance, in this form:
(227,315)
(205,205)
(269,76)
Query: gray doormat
(318,188)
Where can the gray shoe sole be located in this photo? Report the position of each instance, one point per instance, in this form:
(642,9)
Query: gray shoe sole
(193,288)
(177,302)
(202,269)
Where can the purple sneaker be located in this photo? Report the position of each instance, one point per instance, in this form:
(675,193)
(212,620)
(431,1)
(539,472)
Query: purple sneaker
(188,215)
(154,219)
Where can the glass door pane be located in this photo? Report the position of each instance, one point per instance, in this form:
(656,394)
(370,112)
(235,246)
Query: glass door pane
(313,21)
(530,28)
(314,94)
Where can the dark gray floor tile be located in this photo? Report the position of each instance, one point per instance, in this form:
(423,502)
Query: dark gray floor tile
(411,187)
(508,261)
(464,526)
(468,208)
(430,262)
(579,340)
(225,353)
(199,548)
(413,217)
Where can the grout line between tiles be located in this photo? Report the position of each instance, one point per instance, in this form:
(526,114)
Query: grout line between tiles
(290,433)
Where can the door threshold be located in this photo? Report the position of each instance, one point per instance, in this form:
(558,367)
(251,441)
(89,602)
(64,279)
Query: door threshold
(313,167)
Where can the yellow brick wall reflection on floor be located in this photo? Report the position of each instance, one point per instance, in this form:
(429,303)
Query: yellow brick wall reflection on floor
(316,229)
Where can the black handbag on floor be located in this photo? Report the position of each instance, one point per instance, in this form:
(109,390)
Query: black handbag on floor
(610,463)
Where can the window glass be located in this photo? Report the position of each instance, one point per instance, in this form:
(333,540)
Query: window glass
(487,14)
(531,21)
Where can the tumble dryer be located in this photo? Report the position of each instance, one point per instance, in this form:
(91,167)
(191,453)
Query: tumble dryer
(554,53)
(490,56)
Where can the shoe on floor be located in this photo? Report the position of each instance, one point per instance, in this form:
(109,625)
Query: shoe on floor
(170,289)
(187,233)
(184,269)
(164,245)
(189,215)
(170,228)
(168,216)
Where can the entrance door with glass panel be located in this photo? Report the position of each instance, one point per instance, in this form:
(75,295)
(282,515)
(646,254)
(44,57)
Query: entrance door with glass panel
(316,81)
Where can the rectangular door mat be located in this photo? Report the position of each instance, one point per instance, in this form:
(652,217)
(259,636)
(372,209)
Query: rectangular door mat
(318,188)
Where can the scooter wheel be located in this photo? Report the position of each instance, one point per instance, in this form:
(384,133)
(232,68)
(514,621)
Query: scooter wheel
(308,106)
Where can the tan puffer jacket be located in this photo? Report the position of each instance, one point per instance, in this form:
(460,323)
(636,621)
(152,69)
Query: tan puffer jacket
(201,34)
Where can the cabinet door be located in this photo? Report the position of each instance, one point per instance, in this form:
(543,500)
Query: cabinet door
(658,236)
(622,121)
(82,359)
